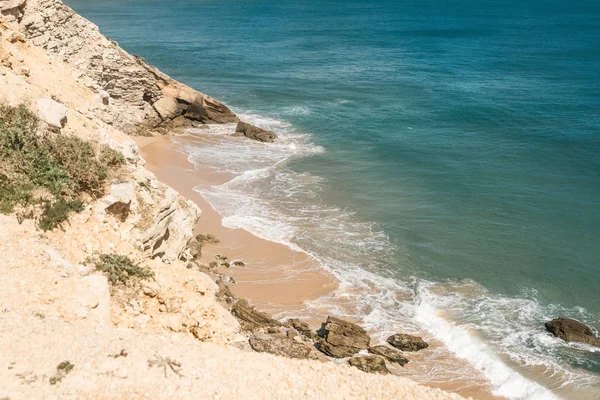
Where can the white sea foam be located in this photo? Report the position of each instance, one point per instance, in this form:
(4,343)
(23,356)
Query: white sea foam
(505,380)
(276,203)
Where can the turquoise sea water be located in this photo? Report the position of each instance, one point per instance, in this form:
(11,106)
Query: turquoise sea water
(453,147)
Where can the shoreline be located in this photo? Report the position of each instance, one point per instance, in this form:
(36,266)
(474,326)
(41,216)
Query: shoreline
(277,279)
(265,278)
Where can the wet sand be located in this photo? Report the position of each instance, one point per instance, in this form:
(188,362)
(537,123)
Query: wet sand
(276,278)
(273,275)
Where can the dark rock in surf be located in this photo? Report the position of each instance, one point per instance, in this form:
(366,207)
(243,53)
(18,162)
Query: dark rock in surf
(406,342)
(253,132)
(389,354)
(571,330)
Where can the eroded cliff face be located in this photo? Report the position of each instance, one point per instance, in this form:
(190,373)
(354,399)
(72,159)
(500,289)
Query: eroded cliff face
(82,84)
(135,95)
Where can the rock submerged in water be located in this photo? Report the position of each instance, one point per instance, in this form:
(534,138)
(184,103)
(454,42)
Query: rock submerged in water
(341,339)
(253,132)
(372,364)
(571,330)
(405,342)
(389,354)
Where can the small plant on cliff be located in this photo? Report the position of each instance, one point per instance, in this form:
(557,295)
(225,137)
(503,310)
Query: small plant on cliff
(57,213)
(62,370)
(119,268)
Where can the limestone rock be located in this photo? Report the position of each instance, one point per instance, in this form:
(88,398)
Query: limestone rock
(340,338)
(372,364)
(93,294)
(170,226)
(119,193)
(571,330)
(285,347)
(205,109)
(406,342)
(135,89)
(253,132)
(167,108)
(250,318)
(12,10)
(52,113)
(389,354)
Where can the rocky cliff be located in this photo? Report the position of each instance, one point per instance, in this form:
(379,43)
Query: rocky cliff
(134,95)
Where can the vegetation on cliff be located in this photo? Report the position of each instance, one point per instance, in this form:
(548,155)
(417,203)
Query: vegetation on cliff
(48,170)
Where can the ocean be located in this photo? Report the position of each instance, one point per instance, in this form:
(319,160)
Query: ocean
(442,159)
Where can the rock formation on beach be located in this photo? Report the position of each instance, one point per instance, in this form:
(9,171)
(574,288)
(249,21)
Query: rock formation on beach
(100,296)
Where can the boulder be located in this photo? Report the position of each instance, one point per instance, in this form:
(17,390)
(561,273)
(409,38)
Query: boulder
(205,109)
(571,330)
(341,338)
(250,318)
(302,327)
(167,108)
(372,364)
(285,347)
(52,113)
(406,342)
(253,132)
(389,354)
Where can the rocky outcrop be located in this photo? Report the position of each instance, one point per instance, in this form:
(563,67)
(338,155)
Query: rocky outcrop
(371,364)
(280,346)
(389,354)
(135,96)
(406,342)
(253,132)
(168,228)
(571,330)
(250,318)
(339,338)
(12,10)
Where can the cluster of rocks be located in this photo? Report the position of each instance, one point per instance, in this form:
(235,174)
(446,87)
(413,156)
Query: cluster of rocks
(134,96)
(336,338)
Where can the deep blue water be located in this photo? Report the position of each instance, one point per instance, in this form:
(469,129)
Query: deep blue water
(467,131)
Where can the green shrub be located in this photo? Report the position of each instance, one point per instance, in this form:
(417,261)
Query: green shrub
(119,268)
(57,213)
(111,157)
(78,159)
(60,165)
(62,370)
(13,193)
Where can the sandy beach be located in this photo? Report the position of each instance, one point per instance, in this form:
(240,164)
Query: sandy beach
(274,276)
(277,279)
